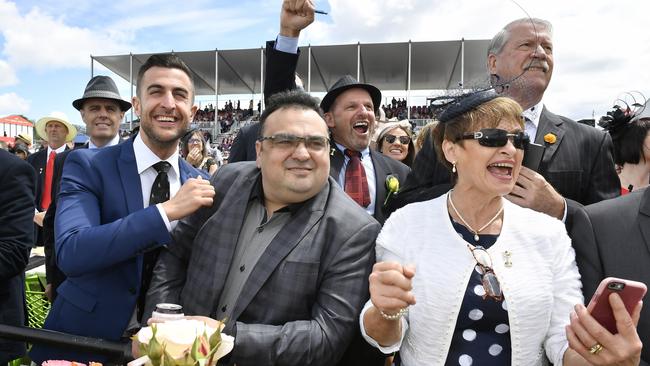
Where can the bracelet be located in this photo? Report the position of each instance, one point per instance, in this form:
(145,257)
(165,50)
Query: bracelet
(395,316)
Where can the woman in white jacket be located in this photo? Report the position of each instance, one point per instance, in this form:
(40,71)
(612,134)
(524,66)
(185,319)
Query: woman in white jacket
(495,283)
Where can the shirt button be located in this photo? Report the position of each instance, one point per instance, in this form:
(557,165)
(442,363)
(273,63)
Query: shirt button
(224,308)
(260,229)
(242,268)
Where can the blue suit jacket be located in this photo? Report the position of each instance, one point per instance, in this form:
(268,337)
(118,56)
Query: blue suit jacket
(102,231)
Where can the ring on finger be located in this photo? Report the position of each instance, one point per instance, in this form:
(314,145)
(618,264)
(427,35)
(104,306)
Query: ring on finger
(596,348)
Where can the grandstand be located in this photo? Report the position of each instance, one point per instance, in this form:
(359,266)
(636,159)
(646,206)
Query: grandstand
(404,67)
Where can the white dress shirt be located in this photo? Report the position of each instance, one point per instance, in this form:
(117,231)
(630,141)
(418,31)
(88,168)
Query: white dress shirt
(114,141)
(366,162)
(145,159)
(532,115)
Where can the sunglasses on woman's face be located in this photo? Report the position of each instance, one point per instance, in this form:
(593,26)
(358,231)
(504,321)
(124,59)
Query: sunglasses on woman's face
(404,140)
(496,137)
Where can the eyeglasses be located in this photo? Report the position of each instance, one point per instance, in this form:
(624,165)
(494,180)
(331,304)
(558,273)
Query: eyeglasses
(484,266)
(404,140)
(496,137)
(290,142)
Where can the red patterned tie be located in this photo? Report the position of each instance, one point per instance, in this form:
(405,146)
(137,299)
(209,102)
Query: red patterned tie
(47,187)
(356,183)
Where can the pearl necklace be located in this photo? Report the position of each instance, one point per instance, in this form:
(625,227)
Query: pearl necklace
(476,232)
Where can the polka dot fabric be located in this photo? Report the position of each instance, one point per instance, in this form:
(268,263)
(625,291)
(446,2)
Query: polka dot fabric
(482,334)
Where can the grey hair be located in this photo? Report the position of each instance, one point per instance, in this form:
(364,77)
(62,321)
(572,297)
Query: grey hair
(501,38)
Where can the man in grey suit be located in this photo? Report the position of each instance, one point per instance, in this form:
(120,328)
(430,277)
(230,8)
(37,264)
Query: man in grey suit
(283,254)
(612,239)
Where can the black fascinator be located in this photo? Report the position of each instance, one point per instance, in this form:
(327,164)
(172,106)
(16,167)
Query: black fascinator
(449,107)
(623,112)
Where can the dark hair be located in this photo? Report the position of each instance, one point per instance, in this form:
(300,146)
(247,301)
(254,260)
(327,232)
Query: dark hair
(298,99)
(628,145)
(486,115)
(166,60)
(410,156)
(185,140)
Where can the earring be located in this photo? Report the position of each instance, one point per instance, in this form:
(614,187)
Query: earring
(453,167)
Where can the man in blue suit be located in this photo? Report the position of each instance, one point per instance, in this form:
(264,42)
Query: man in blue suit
(114,213)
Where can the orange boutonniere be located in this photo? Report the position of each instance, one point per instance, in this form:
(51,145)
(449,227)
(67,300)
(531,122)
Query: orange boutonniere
(550,138)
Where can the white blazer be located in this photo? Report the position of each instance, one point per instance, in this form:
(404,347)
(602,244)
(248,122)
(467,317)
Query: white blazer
(540,287)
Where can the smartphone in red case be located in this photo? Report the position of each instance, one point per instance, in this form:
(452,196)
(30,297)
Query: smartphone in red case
(631,292)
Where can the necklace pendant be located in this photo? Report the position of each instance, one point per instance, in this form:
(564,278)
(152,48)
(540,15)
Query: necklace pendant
(476,237)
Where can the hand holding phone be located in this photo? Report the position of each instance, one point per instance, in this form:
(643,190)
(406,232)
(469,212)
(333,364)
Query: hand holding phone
(631,292)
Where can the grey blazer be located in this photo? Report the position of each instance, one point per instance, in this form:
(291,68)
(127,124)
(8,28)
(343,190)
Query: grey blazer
(612,238)
(301,303)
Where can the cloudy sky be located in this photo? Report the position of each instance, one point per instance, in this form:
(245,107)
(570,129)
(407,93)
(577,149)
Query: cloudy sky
(602,48)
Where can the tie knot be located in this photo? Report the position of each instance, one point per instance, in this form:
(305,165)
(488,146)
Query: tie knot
(352,153)
(52,154)
(162,166)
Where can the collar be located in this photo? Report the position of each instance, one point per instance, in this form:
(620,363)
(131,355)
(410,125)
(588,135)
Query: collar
(114,141)
(258,194)
(533,113)
(364,153)
(145,158)
(58,151)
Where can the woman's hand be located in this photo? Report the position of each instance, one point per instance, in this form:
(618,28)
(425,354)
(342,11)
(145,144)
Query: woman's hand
(194,157)
(624,348)
(390,287)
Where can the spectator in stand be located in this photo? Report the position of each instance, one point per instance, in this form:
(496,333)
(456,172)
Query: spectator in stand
(396,141)
(116,208)
(55,130)
(631,136)
(101,109)
(490,287)
(21,151)
(195,151)
(291,293)
(17,180)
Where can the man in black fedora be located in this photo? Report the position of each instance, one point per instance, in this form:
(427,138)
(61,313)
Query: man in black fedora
(102,110)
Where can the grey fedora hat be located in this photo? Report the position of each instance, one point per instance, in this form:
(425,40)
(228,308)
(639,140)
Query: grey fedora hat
(102,87)
(345,83)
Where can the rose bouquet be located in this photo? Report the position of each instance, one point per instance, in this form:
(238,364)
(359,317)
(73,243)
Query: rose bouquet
(183,342)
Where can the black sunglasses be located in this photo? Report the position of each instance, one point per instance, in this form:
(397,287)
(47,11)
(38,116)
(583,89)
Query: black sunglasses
(489,279)
(404,140)
(496,137)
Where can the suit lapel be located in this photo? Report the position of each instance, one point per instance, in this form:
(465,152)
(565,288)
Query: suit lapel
(283,243)
(336,162)
(129,177)
(644,218)
(381,171)
(549,123)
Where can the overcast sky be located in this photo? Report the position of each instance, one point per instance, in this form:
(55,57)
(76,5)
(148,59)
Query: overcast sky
(602,48)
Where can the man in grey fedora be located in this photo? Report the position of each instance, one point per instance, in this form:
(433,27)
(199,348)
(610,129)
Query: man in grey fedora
(102,110)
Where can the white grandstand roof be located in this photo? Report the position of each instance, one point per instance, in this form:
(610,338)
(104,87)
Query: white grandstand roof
(434,65)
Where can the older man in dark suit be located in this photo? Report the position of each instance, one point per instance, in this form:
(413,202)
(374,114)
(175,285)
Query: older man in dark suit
(577,165)
(612,239)
(101,109)
(283,254)
(17,180)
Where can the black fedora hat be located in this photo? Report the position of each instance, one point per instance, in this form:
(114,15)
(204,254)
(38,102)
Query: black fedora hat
(102,87)
(345,83)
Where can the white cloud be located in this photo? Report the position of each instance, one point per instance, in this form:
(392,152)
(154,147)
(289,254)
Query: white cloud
(38,40)
(11,103)
(7,75)
(601,49)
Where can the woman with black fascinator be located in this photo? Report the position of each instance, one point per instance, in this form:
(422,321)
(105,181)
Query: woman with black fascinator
(470,278)
(629,128)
